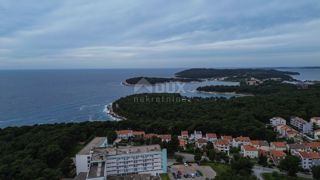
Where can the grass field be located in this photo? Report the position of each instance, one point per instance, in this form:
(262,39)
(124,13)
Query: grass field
(217,167)
(164,177)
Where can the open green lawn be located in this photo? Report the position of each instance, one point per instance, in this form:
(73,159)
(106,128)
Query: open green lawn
(270,176)
(217,167)
(164,177)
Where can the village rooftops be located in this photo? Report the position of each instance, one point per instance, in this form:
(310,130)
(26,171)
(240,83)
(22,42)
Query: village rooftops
(296,146)
(222,142)
(124,132)
(312,145)
(310,155)
(279,144)
(228,138)
(211,135)
(184,133)
(277,154)
(165,137)
(96,142)
(249,148)
(259,143)
(242,139)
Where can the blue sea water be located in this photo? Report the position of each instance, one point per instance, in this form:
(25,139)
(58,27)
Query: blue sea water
(52,96)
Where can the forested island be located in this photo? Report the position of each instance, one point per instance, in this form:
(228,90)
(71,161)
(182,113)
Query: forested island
(157,80)
(201,74)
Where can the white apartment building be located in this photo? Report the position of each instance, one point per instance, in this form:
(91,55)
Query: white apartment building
(301,124)
(309,159)
(276,121)
(197,135)
(111,161)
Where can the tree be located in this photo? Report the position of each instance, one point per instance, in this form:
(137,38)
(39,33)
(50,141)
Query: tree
(212,154)
(197,157)
(290,164)
(179,159)
(242,166)
(263,160)
(316,172)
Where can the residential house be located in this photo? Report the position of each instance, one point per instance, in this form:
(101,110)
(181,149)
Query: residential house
(309,159)
(296,148)
(278,146)
(165,137)
(315,120)
(124,134)
(200,143)
(211,137)
(183,143)
(239,141)
(222,145)
(261,145)
(227,138)
(249,151)
(197,135)
(316,134)
(184,134)
(276,121)
(312,146)
(286,131)
(277,156)
(138,133)
(302,125)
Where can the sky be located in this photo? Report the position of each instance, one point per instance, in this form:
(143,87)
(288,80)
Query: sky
(60,34)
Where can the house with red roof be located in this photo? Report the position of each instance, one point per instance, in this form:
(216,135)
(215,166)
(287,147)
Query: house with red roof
(311,146)
(309,159)
(211,137)
(277,156)
(184,134)
(240,141)
(124,134)
(249,151)
(222,145)
(165,137)
(183,143)
(278,146)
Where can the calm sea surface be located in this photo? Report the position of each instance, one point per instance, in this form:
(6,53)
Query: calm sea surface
(50,96)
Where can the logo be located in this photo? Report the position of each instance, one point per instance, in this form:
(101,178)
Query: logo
(144,86)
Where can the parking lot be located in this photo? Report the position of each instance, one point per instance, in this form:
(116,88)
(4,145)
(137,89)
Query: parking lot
(191,171)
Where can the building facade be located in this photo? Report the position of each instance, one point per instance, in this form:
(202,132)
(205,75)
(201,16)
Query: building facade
(302,125)
(100,162)
(276,121)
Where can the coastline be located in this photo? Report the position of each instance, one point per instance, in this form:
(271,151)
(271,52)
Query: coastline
(114,116)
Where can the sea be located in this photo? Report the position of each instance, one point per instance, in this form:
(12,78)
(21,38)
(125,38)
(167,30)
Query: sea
(30,97)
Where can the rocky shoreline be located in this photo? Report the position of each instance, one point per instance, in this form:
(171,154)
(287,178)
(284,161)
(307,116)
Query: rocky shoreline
(114,116)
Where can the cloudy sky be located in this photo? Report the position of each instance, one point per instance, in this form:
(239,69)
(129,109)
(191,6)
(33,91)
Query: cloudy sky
(36,34)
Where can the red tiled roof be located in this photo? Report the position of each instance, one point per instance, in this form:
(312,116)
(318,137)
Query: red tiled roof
(229,138)
(279,144)
(277,154)
(310,155)
(138,133)
(222,142)
(313,145)
(124,132)
(182,142)
(249,148)
(184,133)
(211,135)
(243,139)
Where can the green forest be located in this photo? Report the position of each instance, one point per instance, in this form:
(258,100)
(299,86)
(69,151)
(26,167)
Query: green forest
(268,87)
(45,151)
